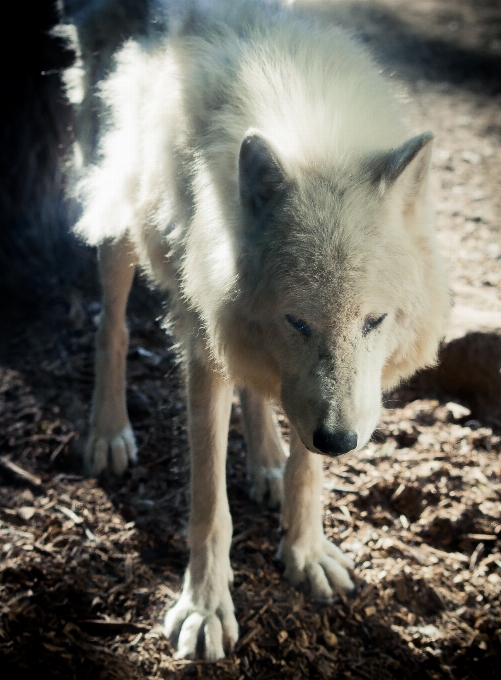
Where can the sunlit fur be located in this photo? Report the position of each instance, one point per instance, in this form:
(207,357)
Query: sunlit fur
(177,112)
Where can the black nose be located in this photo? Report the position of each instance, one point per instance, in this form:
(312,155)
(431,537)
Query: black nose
(334,443)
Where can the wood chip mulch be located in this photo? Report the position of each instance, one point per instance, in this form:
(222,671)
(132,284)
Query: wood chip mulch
(89,567)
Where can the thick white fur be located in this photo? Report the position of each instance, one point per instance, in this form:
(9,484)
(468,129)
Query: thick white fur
(161,184)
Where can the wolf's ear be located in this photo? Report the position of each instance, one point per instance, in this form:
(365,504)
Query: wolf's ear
(261,178)
(409,164)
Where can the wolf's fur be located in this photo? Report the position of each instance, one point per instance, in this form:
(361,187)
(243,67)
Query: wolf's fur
(258,168)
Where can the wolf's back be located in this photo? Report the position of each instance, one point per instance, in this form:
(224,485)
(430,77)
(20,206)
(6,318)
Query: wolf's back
(96,29)
(154,77)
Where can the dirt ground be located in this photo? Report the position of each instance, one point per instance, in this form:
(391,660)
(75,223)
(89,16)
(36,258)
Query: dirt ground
(88,567)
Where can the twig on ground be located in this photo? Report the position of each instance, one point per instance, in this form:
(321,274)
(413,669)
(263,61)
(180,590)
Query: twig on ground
(19,472)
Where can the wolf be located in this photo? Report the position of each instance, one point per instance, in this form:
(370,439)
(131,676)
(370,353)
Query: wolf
(259,168)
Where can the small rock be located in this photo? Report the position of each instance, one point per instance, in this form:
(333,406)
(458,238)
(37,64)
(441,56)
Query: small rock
(470,357)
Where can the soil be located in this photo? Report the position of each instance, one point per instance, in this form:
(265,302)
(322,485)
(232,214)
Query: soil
(89,566)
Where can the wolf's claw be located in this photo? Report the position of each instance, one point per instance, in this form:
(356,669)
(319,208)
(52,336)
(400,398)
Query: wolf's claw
(187,623)
(115,452)
(321,567)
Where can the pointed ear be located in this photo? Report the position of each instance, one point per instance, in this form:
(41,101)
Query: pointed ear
(408,165)
(261,178)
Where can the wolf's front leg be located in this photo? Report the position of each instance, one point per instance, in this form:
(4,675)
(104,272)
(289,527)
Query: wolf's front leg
(111,440)
(265,449)
(310,558)
(205,613)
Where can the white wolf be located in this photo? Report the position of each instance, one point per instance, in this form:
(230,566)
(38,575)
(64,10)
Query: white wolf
(256,165)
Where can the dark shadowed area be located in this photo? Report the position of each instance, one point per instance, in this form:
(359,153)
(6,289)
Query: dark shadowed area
(87,567)
(37,254)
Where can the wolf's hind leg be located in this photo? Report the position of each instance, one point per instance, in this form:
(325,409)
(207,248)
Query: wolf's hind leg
(205,612)
(266,454)
(111,440)
(310,558)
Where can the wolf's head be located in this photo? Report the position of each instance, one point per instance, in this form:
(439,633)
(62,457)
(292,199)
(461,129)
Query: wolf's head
(341,291)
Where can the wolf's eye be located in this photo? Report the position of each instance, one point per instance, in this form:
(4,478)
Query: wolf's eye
(299,325)
(372,322)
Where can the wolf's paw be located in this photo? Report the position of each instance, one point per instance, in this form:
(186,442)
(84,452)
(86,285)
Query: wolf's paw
(209,632)
(115,452)
(319,565)
(267,485)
